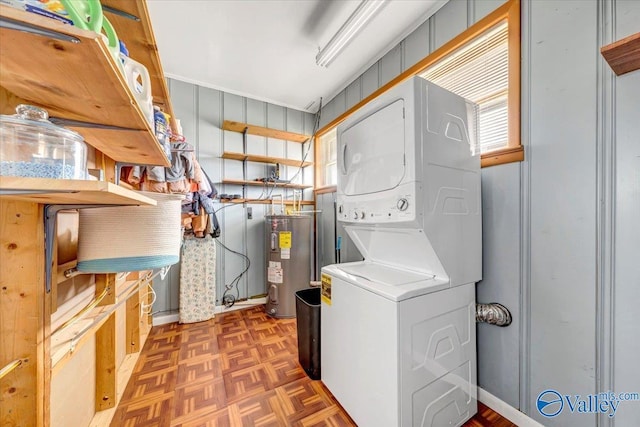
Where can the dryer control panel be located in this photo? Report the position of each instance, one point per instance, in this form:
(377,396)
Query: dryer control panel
(399,205)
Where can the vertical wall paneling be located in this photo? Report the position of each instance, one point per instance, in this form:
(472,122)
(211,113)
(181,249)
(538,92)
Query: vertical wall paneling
(605,170)
(353,93)
(563,108)
(183,96)
(449,21)
(255,250)
(482,8)
(524,378)
(326,227)
(202,112)
(209,132)
(498,361)
(390,65)
(173,291)
(626,248)
(369,80)
(416,45)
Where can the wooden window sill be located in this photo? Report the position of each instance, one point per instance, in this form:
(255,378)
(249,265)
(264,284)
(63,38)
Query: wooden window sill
(503,156)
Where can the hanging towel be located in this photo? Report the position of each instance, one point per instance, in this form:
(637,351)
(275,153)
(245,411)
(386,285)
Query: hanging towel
(197,280)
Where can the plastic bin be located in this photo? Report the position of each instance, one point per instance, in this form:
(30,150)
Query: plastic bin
(308,322)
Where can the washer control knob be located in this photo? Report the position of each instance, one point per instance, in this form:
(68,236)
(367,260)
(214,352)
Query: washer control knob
(355,215)
(340,209)
(361,215)
(402,204)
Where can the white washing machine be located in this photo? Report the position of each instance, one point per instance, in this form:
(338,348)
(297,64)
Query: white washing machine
(398,329)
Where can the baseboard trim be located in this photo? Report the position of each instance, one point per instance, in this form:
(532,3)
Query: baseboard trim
(174,316)
(509,412)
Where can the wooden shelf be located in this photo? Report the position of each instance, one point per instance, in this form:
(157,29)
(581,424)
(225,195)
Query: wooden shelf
(68,191)
(266,202)
(142,47)
(75,81)
(262,184)
(623,56)
(264,159)
(261,131)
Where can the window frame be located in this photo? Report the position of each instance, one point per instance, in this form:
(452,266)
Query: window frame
(514,151)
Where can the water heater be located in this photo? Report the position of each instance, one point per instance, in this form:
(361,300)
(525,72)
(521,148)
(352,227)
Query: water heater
(288,263)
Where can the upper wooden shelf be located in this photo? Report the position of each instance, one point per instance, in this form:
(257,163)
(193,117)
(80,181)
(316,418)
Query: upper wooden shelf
(264,159)
(261,131)
(623,56)
(76,80)
(141,44)
(268,202)
(69,191)
(263,183)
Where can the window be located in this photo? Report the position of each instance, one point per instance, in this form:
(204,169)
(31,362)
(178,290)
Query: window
(328,158)
(481,64)
(479,71)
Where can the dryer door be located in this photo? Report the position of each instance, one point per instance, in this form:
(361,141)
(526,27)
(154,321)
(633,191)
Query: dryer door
(371,152)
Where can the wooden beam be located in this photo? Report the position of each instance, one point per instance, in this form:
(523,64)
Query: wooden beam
(24,316)
(106,347)
(262,131)
(106,364)
(132,326)
(623,56)
(104,281)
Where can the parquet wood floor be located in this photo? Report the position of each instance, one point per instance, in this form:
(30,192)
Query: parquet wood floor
(239,369)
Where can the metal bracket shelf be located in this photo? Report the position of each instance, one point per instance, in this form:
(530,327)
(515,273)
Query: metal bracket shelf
(34,29)
(50,222)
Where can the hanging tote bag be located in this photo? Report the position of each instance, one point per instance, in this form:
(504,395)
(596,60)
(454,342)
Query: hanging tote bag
(130,238)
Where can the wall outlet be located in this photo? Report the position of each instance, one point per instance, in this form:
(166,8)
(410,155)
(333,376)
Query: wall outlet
(249,212)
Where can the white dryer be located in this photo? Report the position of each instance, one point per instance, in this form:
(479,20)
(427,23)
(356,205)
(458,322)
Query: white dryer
(398,329)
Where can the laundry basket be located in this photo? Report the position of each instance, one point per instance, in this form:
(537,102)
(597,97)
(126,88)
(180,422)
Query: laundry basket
(130,238)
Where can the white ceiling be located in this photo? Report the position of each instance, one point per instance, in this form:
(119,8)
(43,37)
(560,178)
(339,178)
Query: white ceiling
(266,49)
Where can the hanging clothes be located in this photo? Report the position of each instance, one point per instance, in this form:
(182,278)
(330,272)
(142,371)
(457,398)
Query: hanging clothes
(197,280)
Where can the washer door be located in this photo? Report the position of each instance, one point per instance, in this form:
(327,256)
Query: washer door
(371,152)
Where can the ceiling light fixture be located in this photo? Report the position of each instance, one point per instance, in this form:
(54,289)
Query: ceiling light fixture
(356,22)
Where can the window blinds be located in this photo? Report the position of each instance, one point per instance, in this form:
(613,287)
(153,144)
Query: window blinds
(479,71)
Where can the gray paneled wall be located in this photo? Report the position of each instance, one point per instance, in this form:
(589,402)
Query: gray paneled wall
(560,233)
(201,112)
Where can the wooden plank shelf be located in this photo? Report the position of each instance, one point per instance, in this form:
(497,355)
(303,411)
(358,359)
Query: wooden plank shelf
(78,81)
(262,184)
(142,47)
(262,131)
(264,159)
(69,191)
(267,202)
(623,56)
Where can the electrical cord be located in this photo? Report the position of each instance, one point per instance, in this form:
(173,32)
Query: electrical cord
(227,299)
(316,124)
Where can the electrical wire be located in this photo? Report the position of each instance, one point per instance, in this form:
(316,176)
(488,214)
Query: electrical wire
(316,124)
(229,300)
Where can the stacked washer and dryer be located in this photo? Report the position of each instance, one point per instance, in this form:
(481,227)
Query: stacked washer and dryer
(398,329)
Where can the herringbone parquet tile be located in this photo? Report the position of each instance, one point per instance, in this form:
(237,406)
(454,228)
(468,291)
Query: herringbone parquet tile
(239,369)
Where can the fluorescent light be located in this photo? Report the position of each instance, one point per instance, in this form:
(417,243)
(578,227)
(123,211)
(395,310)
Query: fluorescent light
(356,22)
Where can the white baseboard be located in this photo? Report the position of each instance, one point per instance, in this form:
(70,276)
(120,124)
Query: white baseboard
(164,318)
(506,410)
(240,305)
(173,316)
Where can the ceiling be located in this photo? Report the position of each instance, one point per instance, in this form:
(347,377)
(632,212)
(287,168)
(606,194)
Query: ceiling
(266,49)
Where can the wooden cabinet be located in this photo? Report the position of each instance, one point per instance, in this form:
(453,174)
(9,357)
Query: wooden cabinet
(71,73)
